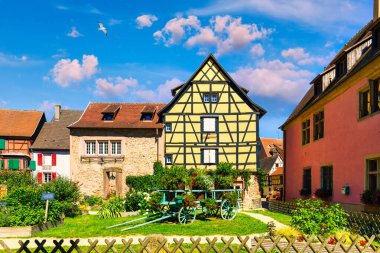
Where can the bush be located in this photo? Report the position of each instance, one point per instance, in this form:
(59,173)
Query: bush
(174,178)
(133,200)
(93,200)
(199,180)
(315,217)
(189,200)
(16,179)
(112,208)
(5,215)
(144,183)
(211,207)
(67,192)
(224,182)
(370,197)
(158,169)
(154,202)
(224,169)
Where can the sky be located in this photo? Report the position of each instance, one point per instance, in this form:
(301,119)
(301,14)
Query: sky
(51,52)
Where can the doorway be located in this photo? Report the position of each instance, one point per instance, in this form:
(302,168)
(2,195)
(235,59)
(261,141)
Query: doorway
(112,182)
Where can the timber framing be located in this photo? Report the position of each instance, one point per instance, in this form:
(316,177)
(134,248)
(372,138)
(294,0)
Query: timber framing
(232,135)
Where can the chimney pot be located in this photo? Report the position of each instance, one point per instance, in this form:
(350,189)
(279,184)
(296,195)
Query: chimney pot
(57,114)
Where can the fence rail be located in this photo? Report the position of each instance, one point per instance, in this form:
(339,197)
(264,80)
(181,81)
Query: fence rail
(362,223)
(231,244)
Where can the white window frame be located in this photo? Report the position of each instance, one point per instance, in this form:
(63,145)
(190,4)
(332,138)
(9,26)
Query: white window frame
(209,156)
(103,148)
(167,157)
(214,95)
(115,147)
(168,127)
(90,147)
(206,96)
(209,124)
(47,160)
(47,177)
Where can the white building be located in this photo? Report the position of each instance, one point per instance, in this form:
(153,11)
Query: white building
(51,149)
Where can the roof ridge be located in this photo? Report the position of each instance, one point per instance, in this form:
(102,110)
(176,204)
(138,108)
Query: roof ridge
(17,110)
(130,103)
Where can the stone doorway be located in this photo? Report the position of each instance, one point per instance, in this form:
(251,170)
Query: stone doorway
(112,182)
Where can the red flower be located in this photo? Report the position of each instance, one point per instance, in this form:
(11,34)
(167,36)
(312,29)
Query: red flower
(331,241)
(363,243)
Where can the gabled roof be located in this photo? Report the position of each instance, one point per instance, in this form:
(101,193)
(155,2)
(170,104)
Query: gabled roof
(267,163)
(311,98)
(174,90)
(280,151)
(128,116)
(17,123)
(55,135)
(277,171)
(269,143)
(234,86)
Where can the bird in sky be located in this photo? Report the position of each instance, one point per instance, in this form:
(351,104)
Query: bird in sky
(102,28)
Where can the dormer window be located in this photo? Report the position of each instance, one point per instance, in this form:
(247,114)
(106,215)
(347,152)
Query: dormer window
(110,112)
(147,112)
(328,78)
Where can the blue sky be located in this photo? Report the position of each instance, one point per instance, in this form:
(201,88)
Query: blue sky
(51,51)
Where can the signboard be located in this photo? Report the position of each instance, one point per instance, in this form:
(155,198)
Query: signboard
(48,196)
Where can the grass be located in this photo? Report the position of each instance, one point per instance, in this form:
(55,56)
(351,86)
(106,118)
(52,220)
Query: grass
(280,217)
(91,226)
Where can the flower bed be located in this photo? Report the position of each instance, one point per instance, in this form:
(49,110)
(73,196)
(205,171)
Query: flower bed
(28,231)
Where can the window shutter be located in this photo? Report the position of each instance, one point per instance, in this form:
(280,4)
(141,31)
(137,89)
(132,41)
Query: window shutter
(53,159)
(212,155)
(32,165)
(39,177)
(1,164)
(53,176)
(39,159)
(2,144)
(206,156)
(212,124)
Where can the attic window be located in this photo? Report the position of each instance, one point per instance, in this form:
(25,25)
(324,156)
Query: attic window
(148,112)
(109,113)
(147,116)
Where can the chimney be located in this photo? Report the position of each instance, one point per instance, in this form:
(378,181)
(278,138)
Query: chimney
(57,114)
(376,9)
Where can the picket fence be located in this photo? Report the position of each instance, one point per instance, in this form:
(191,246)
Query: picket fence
(161,244)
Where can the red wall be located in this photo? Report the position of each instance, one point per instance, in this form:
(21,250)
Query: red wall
(345,145)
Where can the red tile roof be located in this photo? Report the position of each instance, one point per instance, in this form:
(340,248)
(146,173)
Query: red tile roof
(17,123)
(278,171)
(128,116)
(269,143)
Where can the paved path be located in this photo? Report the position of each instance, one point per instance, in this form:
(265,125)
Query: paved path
(265,219)
(13,243)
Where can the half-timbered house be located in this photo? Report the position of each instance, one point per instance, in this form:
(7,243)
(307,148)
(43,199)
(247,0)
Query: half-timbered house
(210,120)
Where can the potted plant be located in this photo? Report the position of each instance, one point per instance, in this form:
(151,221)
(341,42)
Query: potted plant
(371,201)
(322,194)
(305,193)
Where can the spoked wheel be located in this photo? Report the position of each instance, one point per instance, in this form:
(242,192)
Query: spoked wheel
(228,210)
(186,215)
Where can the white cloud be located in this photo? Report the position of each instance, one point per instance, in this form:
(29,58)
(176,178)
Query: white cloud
(225,33)
(47,106)
(174,30)
(114,22)
(12,60)
(325,15)
(67,71)
(74,33)
(257,50)
(113,87)
(146,20)
(299,55)
(161,94)
(274,79)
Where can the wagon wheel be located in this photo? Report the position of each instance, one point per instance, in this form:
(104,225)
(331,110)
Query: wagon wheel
(228,210)
(186,215)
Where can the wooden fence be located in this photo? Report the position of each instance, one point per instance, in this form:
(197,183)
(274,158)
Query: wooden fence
(361,223)
(161,244)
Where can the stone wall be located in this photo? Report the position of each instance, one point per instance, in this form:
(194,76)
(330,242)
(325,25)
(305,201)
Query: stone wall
(140,149)
(252,198)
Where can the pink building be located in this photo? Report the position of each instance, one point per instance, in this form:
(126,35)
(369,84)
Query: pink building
(332,138)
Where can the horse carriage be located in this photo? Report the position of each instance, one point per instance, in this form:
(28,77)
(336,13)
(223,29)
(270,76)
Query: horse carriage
(174,204)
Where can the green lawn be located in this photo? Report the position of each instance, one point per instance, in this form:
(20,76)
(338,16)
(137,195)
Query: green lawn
(91,226)
(280,217)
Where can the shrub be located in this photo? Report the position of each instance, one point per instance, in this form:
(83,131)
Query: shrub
(154,202)
(199,180)
(316,217)
(211,207)
(144,183)
(111,208)
(93,200)
(158,169)
(5,215)
(225,169)
(287,232)
(174,178)
(224,182)
(132,201)
(16,179)
(67,192)
(261,176)
(189,200)
(232,197)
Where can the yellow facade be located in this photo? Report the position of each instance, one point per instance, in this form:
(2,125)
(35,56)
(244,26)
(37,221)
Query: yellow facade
(235,138)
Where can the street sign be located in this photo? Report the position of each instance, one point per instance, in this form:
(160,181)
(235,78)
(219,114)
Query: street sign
(48,196)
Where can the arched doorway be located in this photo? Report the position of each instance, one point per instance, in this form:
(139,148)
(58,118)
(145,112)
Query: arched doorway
(112,182)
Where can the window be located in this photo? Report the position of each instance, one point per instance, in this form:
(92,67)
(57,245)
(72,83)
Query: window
(364,103)
(276,164)
(306,132)
(209,125)
(13,164)
(103,147)
(168,127)
(373,174)
(147,116)
(209,156)
(327,179)
(90,148)
(169,159)
(319,125)
(214,98)
(47,177)
(306,184)
(206,98)
(375,96)
(47,160)
(108,116)
(116,147)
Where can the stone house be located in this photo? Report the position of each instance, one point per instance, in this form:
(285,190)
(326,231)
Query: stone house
(51,149)
(111,141)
